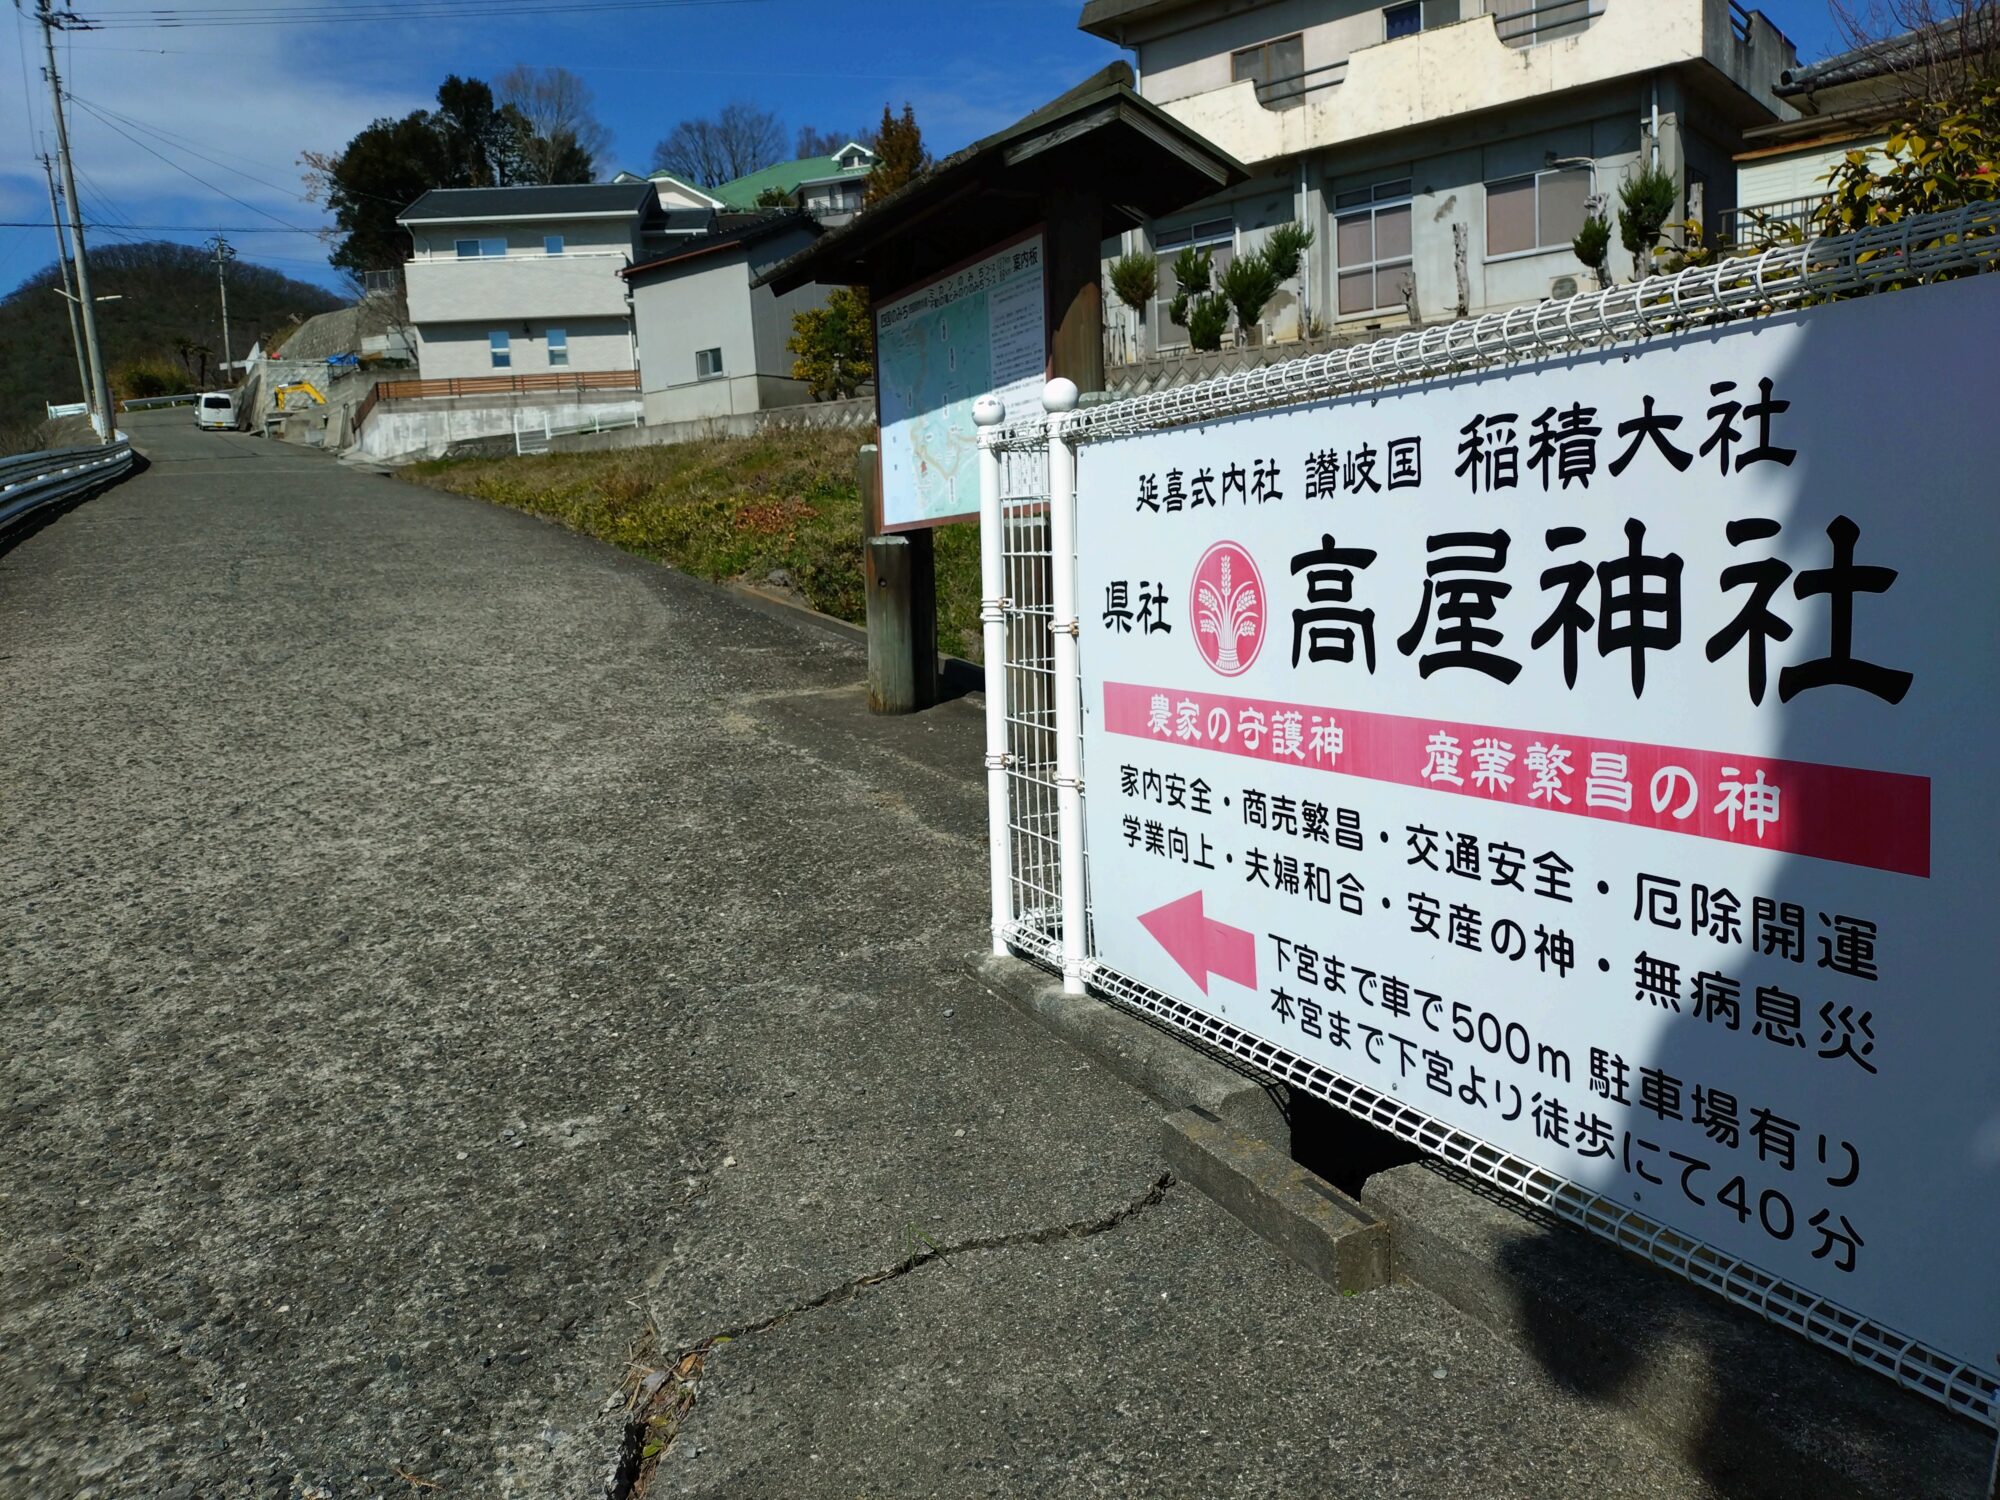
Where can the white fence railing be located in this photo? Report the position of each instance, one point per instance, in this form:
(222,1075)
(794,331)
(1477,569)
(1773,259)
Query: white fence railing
(1040,899)
(33,481)
(534,434)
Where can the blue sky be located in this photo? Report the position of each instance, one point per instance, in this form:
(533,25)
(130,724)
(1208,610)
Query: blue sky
(236,104)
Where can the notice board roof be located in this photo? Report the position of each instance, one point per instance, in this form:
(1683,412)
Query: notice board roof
(1098,139)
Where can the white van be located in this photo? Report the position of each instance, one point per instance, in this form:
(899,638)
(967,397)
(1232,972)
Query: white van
(216,409)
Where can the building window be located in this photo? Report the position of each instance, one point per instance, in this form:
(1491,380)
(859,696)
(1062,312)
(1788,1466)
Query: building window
(558,348)
(1523,23)
(498,349)
(474,249)
(1541,211)
(1277,68)
(1372,247)
(707,364)
(552,244)
(1403,20)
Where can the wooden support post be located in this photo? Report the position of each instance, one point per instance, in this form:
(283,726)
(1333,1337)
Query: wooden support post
(901,578)
(1075,229)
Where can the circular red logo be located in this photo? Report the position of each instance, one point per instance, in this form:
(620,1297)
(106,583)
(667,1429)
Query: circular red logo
(1226,607)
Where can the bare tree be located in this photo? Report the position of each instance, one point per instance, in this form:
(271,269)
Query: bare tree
(562,136)
(740,140)
(814,142)
(1930,51)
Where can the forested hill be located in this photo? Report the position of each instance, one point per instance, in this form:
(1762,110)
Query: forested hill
(167,300)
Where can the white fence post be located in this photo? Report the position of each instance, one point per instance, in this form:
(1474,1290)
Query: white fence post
(989,413)
(1059,398)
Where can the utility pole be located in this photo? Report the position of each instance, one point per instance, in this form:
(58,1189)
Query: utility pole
(100,386)
(224,254)
(69,296)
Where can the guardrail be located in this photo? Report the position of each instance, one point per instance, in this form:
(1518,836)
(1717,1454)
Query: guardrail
(151,403)
(535,436)
(31,481)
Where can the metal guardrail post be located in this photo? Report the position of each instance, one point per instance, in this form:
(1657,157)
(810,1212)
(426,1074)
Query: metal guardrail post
(1059,399)
(988,412)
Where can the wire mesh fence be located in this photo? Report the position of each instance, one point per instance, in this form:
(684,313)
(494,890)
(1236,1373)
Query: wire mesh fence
(1916,250)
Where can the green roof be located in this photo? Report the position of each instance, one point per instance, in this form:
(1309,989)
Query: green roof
(786,177)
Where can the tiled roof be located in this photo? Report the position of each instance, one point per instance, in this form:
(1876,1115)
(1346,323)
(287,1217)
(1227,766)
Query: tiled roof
(1895,55)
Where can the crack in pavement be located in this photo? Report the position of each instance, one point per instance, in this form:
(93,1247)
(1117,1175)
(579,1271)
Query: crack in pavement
(659,1393)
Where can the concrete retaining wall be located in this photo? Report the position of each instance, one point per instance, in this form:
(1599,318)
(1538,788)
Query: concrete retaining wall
(404,432)
(857,414)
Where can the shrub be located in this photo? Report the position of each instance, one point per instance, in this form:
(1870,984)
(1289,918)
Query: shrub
(1646,203)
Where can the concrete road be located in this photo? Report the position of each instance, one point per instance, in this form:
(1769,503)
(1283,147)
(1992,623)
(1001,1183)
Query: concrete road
(441,954)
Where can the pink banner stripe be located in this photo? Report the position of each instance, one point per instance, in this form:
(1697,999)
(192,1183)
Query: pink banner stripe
(1879,819)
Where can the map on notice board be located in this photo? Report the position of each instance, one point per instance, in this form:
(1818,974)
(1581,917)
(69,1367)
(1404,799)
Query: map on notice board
(975,331)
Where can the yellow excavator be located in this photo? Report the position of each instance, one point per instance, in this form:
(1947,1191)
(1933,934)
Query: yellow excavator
(283,395)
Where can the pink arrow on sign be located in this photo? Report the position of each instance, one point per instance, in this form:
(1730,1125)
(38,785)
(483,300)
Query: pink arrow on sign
(1201,945)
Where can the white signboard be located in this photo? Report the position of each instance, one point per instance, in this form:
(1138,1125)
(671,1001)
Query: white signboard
(981,328)
(1598,757)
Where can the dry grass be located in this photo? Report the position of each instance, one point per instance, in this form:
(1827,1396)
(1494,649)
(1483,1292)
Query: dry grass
(727,509)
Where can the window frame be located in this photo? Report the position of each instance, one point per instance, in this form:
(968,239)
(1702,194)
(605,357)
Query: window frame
(1544,25)
(701,355)
(1206,234)
(499,349)
(1493,257)
(556,341)
(1294,87)
(553,244)
(1391,193)
(482,247)
(1406,7)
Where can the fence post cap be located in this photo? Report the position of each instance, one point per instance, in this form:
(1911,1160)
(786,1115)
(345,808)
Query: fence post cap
(989,411)
(1059,394)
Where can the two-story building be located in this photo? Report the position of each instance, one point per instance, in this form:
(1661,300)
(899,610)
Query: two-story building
(830,188)
(711,342)
(1444,153)
(524,280)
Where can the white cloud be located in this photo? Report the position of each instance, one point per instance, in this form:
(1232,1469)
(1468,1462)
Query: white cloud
(251,98)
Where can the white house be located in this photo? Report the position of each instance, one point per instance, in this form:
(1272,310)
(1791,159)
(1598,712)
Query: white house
(711,345)
(1848,102)
(524,280)
(1443,152)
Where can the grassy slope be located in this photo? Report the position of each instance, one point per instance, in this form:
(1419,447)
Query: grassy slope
(727,509)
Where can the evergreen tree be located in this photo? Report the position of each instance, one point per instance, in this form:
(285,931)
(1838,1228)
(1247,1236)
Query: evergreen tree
(899,148)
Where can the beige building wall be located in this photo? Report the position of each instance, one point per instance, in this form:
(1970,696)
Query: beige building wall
(456,351)
(711,305)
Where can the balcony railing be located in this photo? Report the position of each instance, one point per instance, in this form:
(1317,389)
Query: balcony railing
(1289,90)
(1759,221)
(568,383)
(1546,22)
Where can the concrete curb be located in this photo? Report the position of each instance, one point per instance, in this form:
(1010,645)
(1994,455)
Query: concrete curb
(1228,1136)
(1758,1410)
(955,674)
(1152,1060)
(1312,1222)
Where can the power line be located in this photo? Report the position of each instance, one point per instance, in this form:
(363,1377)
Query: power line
(219,192)
(182,143)
(365,10)
(165,228)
